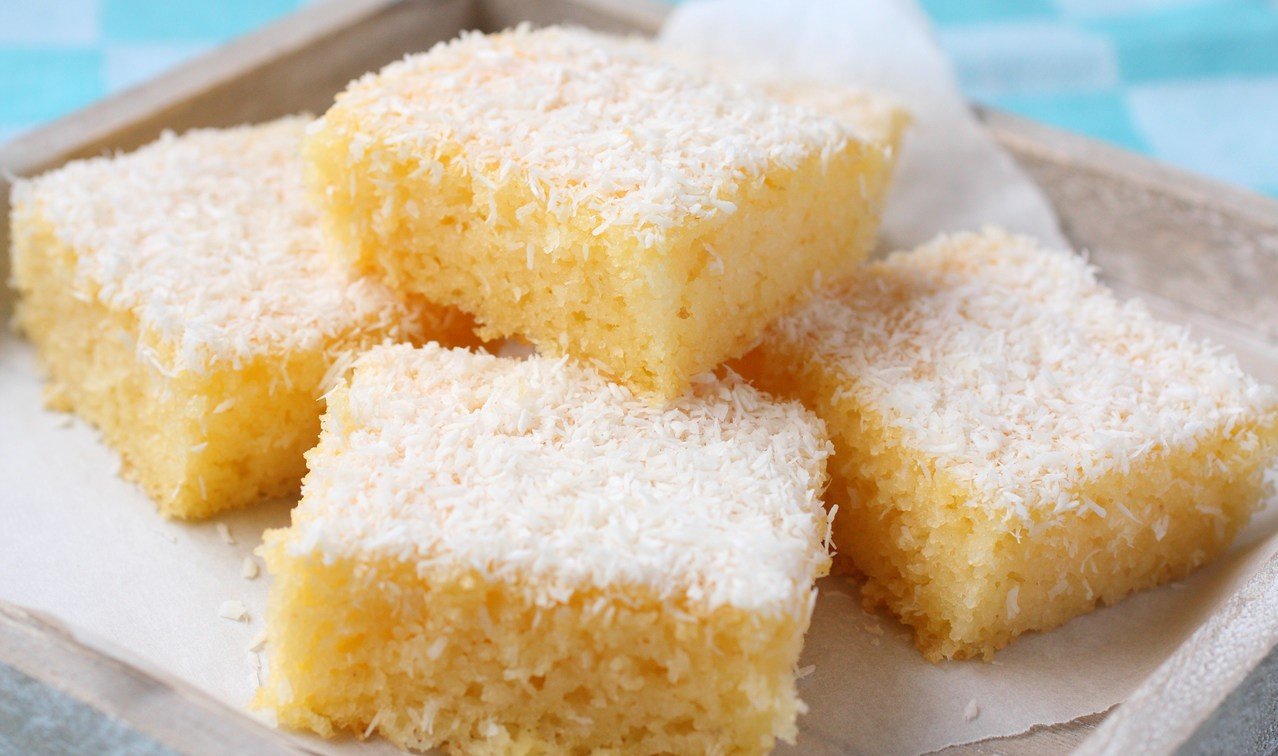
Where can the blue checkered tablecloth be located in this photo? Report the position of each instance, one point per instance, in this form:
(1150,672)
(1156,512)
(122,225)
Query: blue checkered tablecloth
(1192,82)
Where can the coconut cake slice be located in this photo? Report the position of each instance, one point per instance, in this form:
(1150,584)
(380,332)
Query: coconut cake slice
(587,194)
(521,556)
(182,299)
(1014,445)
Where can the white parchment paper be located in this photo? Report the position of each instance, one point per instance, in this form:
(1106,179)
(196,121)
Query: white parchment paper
(79,543)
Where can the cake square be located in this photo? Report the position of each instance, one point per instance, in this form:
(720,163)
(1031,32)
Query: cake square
(585,193)
(181,300)
(496,555)
(1013,445)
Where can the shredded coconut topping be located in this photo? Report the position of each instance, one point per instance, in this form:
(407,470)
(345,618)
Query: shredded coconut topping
(872,116)
(542,473)
(1019,372)
(209,240)
(587,121)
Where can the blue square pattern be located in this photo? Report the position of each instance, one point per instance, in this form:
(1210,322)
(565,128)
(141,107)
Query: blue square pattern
(984,12)
(192,20)
(1193,82)
(1194,41)
(40,83)
(59,55)
(1190,82)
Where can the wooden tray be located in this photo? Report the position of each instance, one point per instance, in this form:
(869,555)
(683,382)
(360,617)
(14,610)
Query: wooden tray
(1191,242)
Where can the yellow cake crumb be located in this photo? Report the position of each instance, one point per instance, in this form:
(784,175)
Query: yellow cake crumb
(495,556)
(584,193)
(1014,446)
(181,300)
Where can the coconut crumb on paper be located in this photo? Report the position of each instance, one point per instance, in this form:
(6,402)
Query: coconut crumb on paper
(233,610)
(209,240)
(972,711)
(258,642)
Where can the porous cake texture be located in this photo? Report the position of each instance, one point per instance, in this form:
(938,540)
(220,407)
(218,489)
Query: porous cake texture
(1014,446)
(181,300)
(585,193)
(495,555)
